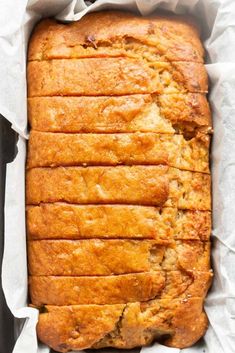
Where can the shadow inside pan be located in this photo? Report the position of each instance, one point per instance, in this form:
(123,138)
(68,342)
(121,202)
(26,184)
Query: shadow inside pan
(8,151)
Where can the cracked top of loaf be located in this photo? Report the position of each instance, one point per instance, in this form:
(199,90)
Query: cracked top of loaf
(114,33)
(181,321)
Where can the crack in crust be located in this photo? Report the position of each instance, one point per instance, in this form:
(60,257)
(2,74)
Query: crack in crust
(178,322)
(116,34)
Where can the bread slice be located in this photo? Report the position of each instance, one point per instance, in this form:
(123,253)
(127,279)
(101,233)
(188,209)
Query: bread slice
(108,257)
(52,150)
(98,185)
(115,34)
(95,289)
(176,322)
(89,77)
(69,221)
(187,113)
(146,185)
(118,289)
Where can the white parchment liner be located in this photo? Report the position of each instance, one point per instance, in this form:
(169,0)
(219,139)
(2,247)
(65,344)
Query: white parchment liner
(217,18)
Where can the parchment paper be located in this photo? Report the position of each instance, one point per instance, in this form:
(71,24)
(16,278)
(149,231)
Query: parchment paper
(217,19)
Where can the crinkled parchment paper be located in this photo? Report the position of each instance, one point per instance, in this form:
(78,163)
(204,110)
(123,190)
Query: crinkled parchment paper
(217,19)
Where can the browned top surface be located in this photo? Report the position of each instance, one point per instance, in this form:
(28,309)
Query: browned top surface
(113,33)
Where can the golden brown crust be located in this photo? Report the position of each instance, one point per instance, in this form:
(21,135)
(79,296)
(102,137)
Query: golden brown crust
(89,77)
(161,114)
(53,150)
(151,185)
(123,326)
(90,257)
(64,221)
(97,185)
(109,257)
(95,289)
(113,33)
(118,289)
(190,323)
(64,328)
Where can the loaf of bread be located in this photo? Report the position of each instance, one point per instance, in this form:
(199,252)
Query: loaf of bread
(118,181)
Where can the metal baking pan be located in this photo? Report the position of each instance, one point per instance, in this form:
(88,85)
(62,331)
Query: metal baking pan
(8,139)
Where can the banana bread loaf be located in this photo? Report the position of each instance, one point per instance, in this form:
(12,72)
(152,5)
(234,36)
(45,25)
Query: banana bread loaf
(118,181)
